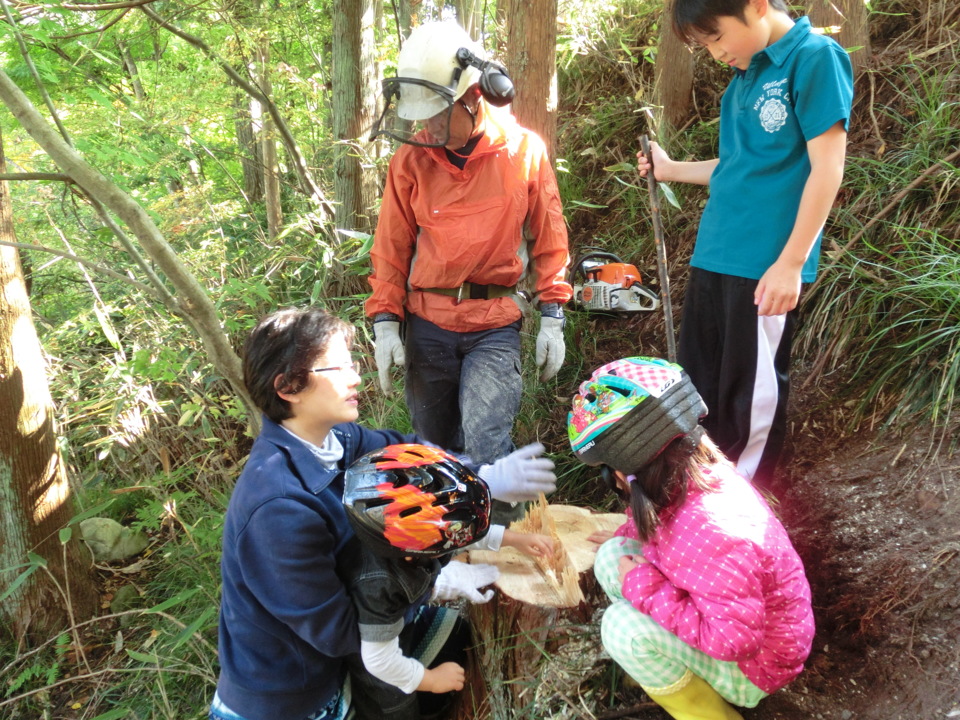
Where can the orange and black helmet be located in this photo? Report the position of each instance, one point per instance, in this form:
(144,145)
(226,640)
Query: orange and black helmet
(415,501)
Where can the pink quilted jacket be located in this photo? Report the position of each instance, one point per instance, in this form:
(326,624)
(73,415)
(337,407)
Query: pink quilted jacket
(722,575)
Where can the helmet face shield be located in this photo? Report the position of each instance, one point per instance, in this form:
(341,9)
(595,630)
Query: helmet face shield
(416,112)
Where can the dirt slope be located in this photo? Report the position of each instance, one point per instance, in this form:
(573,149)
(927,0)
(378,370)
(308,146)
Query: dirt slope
(875,517)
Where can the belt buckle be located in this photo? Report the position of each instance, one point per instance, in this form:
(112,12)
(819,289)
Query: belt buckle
(459,294)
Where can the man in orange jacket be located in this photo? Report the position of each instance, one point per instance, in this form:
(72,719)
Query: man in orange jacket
(470,208)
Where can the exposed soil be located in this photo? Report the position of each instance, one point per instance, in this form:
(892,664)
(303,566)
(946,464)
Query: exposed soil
(874,515)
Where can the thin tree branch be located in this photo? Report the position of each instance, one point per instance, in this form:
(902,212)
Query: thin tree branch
(34,74)
(93,266)
(168,299)
(58,177)
(159,289)
(303,171)
(91,6)
(95,31)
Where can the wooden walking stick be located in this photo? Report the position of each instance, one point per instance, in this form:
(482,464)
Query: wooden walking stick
(661,252)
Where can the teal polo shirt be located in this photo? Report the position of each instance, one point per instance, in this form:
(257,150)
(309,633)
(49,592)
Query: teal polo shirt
(792,92)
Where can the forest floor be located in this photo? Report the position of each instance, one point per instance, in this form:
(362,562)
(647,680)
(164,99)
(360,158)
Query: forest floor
(874,515)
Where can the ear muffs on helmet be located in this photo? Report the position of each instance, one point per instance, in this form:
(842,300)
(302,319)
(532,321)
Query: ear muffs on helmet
(411,500)
(495,84)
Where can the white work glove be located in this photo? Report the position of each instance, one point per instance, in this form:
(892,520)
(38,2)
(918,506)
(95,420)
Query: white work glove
(388,350)
(460,580)
(522,475)
(550,347)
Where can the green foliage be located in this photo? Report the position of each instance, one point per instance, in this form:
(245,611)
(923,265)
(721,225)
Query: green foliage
(155,439)
(42,671)
(899,336)
(887,310)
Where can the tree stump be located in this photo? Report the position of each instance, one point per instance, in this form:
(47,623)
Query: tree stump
(539,608)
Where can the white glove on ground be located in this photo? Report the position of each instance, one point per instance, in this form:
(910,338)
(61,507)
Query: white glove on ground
(460,580)
(522,475)
(550,347)
(388,350)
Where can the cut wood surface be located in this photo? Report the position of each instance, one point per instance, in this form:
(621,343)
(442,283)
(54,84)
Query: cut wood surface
(554,583)
(542,613)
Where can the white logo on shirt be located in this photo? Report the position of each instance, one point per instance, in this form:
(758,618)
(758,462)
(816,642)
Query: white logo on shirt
(773,115)
(773,110)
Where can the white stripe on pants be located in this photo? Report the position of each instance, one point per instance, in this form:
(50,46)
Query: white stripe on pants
(766,392)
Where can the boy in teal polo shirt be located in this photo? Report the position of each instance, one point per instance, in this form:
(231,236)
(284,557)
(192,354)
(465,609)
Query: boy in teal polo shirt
(783,133)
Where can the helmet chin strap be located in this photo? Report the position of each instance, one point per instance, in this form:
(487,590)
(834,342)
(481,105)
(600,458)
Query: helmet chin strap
(474,118)
(472,114)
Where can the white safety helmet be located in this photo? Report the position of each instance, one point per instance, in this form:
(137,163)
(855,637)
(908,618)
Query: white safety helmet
(430,53)
(437,65)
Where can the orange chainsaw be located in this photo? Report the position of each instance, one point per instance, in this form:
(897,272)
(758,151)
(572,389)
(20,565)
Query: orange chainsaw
(603,282)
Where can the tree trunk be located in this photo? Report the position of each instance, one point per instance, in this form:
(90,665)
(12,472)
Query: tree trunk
(538,607)
(34,492)
(851,17)
(192,300)
(130,65)
(673,79)
(268,146)
(470,17)
(251,156)
(532,64)
(354,106)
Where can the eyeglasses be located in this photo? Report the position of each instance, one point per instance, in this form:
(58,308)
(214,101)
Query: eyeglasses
(353,365)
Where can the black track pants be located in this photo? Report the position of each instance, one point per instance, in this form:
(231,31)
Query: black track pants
(739,363)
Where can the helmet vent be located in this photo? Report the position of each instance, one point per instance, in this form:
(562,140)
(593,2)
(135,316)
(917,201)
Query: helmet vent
(397,500)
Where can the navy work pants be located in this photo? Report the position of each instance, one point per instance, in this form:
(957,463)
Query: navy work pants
(463,388)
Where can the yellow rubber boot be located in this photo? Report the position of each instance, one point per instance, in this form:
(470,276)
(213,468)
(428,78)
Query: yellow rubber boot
(696,700)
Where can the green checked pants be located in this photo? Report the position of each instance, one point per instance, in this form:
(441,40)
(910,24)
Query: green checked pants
(651,655)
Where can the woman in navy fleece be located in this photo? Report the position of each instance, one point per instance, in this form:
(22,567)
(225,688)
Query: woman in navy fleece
(288,630)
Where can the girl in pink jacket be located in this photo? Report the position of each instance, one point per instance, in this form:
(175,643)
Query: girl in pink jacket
(709,602)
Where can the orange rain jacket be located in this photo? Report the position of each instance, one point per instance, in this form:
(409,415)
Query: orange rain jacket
(441,226)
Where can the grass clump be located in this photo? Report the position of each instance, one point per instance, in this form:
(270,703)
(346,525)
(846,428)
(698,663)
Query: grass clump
(886,312)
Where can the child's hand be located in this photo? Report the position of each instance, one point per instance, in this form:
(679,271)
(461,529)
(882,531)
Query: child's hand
(443,678)
(778,290)
(628,563)
(530,544)
(600,536)
(534,545)
(660,162)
